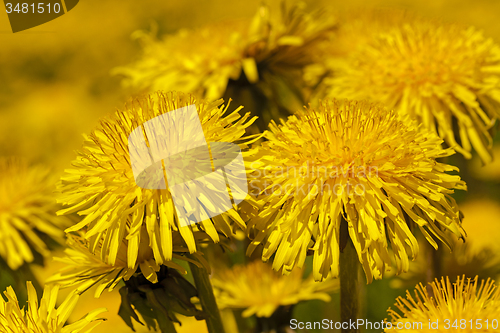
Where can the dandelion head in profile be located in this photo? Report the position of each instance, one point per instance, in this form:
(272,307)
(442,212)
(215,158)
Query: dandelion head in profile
(27,212)
(351,169)
(446,76)
(42,315)
(83,269)
(245,50)
(467,305)
(103,188)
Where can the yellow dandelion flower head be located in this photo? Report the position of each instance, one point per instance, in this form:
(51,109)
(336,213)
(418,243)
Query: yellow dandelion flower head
(464,306)
(446,76)
(350,169)
(463,260)
(260,290)
(172,63)
(43,317)
(27,212)
(289,38)
(86,267)
(102,188)
(224,51)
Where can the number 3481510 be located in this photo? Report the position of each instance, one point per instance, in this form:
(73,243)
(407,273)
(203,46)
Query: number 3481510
(39,8)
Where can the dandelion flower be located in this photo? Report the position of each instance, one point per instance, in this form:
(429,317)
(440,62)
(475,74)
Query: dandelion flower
(350,169)
(463,260)
(227,51)
(102,187)
(260,290)
(464,306)
(446,76)
(172,64)
(27,212)
(43,317)
(86,269)
(477,256)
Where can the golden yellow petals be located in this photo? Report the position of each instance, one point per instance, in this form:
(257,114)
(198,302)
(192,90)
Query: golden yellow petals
(357,164)
(27,212)
(445,76)
(43,317)
(114,210)
(467,305)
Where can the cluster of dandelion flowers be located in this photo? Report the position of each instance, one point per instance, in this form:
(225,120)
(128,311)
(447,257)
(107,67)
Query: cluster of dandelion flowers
(27,212)
(102,188)
(226,51)
(464,306)
(43,316)
(354,164)
(446,76)
(260,290)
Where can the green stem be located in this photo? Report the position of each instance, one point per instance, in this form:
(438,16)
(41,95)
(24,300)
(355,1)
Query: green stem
(207,299)
(434,266)
(349,293)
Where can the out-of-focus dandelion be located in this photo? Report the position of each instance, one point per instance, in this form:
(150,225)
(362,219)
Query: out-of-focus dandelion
(463,260)
(171,63)
(226,51)
(478,256)
(27,212)
(43,317)
(464,306)
(351,170)
(482,220)
(446,76)
(489,172)
(102,186)
(260,290)
(270,51)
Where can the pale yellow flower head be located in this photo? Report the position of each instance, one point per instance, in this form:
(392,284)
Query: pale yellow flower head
(445,76)
(27,211)
(351,169)
(270,43)
(101,187)
(260,290)
(464,306)
(43,317)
